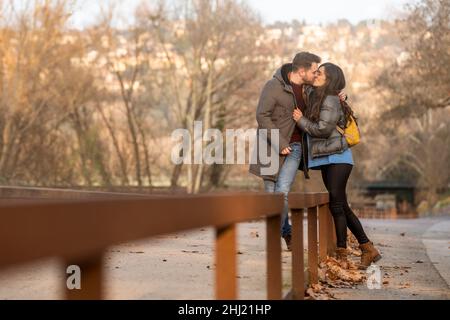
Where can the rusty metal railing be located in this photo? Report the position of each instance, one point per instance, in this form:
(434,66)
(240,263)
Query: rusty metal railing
(319,222)
(80,226)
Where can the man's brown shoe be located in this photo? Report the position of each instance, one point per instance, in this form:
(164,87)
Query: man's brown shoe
(288,239)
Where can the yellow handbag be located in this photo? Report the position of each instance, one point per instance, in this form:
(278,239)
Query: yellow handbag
(351,132)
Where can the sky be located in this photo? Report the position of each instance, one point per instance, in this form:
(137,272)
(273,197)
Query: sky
(311,11)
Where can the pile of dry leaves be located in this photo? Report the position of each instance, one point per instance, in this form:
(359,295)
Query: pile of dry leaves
(336,274)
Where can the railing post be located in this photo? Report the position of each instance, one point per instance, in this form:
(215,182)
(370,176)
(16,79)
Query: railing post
(90,275)
(226,263)
(323,233)
(313,263)
(298,268)
(274,275)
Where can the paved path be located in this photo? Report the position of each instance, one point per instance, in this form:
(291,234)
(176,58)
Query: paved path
(416,265)
(416,260)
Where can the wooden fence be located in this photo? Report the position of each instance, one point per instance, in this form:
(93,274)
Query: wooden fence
(79,226)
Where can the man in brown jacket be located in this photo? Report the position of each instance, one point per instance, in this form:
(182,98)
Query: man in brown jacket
(288,89)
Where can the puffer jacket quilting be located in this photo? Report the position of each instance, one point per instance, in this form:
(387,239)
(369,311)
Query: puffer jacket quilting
(325,138)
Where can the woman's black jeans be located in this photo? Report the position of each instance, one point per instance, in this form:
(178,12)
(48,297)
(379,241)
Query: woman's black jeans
(335,177)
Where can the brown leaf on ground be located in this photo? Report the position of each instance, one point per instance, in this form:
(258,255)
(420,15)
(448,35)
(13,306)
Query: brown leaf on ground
(322,275)
(317,287)
(338,284)
(192,251)
(318,292)
(353,252)
(334,270)
(311,294)
(254,234)
(345,275)
(383,245)
(395,267)
(335,273)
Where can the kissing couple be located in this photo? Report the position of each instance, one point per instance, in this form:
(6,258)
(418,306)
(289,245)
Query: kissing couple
(306,103)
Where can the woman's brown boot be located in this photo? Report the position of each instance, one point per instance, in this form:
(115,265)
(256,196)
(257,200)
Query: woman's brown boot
(341,256)
(369,254)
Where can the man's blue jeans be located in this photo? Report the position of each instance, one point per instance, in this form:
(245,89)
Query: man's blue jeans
(286,178)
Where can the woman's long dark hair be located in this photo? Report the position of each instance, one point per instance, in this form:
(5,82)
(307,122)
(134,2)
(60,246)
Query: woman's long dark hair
(334,84)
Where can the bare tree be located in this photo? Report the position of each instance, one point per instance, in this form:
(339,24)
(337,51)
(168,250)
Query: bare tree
(124,51)
(417,97)
(210,58)
(47,93)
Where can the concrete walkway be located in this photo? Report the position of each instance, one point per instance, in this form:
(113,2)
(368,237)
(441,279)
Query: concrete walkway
(416,265)
(416,260)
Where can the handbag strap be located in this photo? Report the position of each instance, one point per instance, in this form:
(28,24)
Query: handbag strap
(341,131)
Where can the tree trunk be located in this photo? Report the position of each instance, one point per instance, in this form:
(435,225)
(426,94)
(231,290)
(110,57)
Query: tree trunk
(123,167)
(206,125)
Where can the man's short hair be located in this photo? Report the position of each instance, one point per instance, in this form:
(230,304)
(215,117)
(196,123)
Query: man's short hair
(304,60)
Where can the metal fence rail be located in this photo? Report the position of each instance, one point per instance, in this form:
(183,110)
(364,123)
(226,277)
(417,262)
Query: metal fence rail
(80,226)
